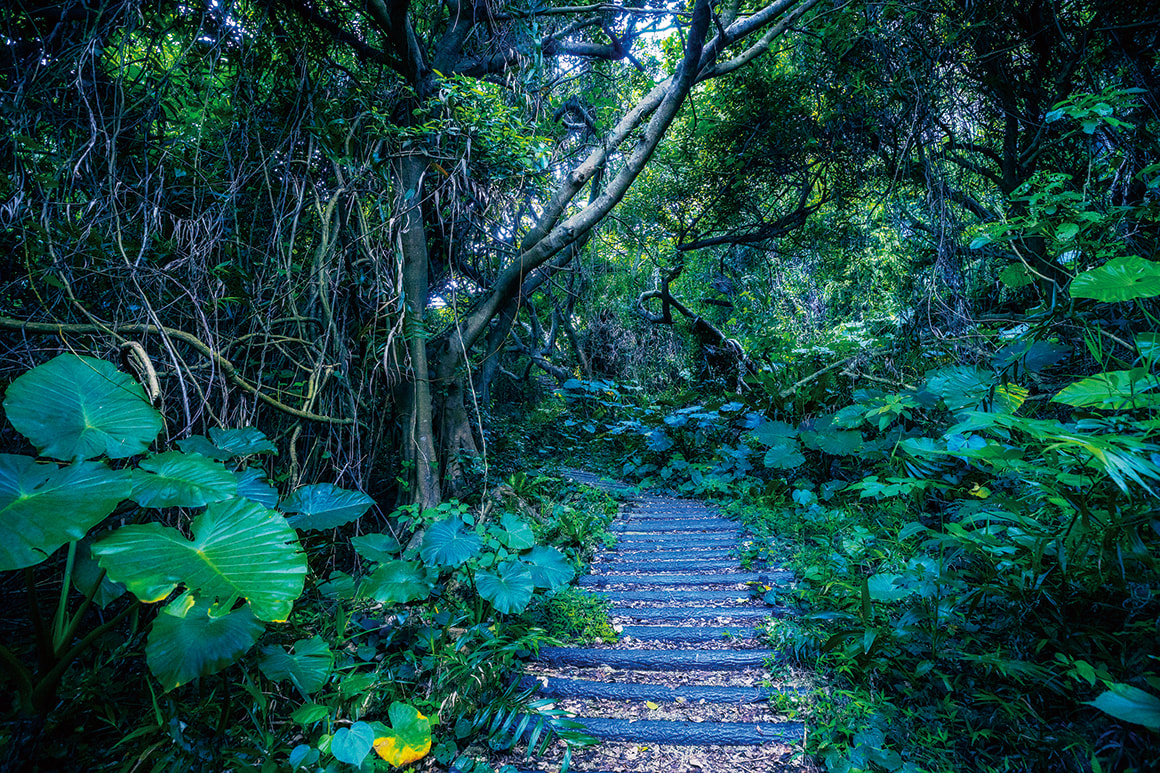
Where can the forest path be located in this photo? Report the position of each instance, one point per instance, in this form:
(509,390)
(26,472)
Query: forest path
(685,689)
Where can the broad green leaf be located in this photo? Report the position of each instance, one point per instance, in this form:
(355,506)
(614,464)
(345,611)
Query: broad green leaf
(1016,276)
(75,407)
(309,713)
(1130,704)
(352,744)
(43,506)
(307,668)
(376,547)
(186,641)
(1148,344)
(199,444)
(509,588)
(774,433)
(239,550)
(1120,279)
(339,585)
(516,535)
(254,486)
(447,544)
(882,587)
(407,740)
(174,479)
(1030,356)
(840,443)
(1113,390)
(549,567)
(959,386)
(324,506)
(1010,397)
(87,573)
(784,457)
(242,441)
(397,582)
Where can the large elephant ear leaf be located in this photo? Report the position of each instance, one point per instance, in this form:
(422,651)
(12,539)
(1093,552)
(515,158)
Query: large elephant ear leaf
(307,668)
(324,506)
(397,582)
(509,588)
(447,544)
(240,549)
(174,479)
(1120,279)
(549,567)
(187,641)
(75,407)
(242,441)
(43,506)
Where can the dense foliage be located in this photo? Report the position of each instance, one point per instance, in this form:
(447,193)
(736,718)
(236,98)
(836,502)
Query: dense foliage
(300,300)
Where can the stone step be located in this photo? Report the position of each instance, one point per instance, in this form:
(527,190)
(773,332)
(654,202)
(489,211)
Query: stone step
(557,687)
(657,660)
(693,733)
(685,613)
(688,633)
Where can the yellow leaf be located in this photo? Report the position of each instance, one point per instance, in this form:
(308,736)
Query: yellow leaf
(652,705)
(397,753)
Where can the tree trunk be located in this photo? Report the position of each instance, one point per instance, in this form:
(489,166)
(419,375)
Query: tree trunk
(418,442)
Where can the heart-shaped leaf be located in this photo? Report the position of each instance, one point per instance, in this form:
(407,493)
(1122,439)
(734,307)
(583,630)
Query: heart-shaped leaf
(87,573)
(254,486)
(376,547)
(352,744)
(239,550)
(509,588)
(774,433)
(447,544)
(242,441)
(397,582)
(784,457)
(407,740)
(174,479)
(549,567)
(324,506)
(75,407)
(516,535)
(186,641)
(1120,279)
(43,506)
(307,668)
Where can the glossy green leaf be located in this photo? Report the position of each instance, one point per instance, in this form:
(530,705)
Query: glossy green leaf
(186,641)
(376,547)
(549,567)
(1016,276)
(960,386)
(87,573)
(175,479)
(1120,279)
(43,506)
(254,486)
(239,550)
(1113,390)
(75,407)
(397,582)
(199,444)
(840,443)
(784,457)
(774,433)
(447,544)
(242,441)
(515,535)
(352,744)
(324,506)
(509,588)
(1130,704)
(307,667)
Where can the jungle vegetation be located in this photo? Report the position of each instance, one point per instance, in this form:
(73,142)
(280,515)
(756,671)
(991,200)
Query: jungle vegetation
(304,302)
